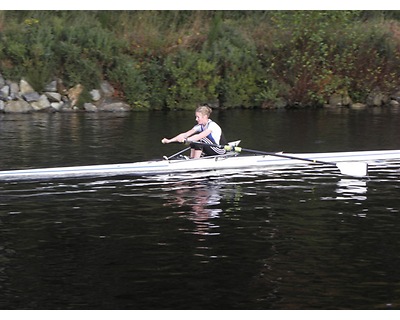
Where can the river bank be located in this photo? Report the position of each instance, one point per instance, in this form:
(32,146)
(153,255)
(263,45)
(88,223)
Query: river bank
(55,97)
(20,97)
(170,60)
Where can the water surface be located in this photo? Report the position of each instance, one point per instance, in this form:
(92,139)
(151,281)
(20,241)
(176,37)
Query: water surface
(299,238)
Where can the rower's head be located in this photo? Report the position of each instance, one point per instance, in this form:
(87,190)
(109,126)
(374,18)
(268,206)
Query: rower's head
(204,109)
(203,113)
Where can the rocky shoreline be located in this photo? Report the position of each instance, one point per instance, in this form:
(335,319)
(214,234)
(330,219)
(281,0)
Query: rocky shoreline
(22,98)
(374,99)
(343,100)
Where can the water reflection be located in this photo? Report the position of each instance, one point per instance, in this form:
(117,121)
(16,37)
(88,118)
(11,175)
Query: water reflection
(199,203)
(351,189)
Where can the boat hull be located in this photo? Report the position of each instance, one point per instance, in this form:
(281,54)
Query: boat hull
(248,163)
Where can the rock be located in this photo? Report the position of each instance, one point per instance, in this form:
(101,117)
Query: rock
(376,99)
(31,96)
(17,106)
(67,107)
(394,103)
(2,81)
(53,96)
(2,104)
(61,87)
(115,107)
(339,100)
(358,106)
(4,92)
(74,94)
(41,103)
(96,96)
(14,90)
(106,89)
(335,100)
(51,87)
(25,87)
(57,105)
(346,100)
(396,96)
(90,107)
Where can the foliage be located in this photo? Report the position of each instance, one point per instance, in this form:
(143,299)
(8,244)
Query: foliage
(325,52)
(237,65)
(177,59)
(128,77)
(190,77)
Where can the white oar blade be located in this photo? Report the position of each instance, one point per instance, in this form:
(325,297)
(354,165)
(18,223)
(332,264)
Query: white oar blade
(355,169)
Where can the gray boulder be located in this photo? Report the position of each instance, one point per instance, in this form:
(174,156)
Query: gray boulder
(106,89)
(17,106)
(53,96)
(14,90)
(115,107)
(90,107)
(41,104)
(51,87)
(4,92)
(31,96)
(25,87)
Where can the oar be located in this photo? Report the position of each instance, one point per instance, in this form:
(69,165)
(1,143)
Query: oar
(176,154)
(355,169)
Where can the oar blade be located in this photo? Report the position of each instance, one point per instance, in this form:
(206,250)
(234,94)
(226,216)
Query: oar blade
(355,169)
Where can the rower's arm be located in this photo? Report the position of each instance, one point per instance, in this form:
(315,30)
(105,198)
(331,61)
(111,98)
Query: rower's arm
(180,137)
(200,135)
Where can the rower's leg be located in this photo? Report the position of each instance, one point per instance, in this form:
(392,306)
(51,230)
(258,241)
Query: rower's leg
(195,154)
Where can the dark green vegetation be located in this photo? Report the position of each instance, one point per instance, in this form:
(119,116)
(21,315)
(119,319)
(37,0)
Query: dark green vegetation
(176,59)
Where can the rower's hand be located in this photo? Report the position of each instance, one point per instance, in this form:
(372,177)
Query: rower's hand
(165,140)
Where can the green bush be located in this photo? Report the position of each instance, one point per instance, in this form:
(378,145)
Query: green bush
(319,53)
(129,78)
(177,59)
(237,66)
(190,79)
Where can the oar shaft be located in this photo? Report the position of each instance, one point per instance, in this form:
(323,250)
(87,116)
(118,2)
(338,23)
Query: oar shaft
(240,149)
(285,156)
(358,169)
(178,153)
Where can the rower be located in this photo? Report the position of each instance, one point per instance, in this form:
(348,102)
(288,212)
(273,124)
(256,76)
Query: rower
(206,131)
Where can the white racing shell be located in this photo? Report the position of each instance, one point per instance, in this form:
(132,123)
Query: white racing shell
(349,163)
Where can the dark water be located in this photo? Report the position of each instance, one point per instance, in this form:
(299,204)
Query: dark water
(301,238)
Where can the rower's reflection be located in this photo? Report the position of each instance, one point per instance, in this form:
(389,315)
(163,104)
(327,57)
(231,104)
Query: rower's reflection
(199,204)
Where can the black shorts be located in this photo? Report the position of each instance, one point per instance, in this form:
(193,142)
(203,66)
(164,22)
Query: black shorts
(208,150)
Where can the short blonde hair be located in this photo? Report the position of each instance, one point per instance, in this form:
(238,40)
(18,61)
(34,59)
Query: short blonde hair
(204,109)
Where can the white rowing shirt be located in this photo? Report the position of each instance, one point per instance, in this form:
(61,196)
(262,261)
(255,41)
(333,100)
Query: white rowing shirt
(216,131)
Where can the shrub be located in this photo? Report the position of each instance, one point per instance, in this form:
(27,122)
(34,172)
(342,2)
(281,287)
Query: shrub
(128,77)
(237,66)
(190,79)
(177,59)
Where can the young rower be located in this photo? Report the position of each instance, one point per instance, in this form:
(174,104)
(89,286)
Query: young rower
(206,131)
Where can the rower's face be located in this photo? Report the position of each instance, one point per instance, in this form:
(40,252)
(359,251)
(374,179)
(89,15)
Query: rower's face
(201,118)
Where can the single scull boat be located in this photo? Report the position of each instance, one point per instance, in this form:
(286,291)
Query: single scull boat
(349,163)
